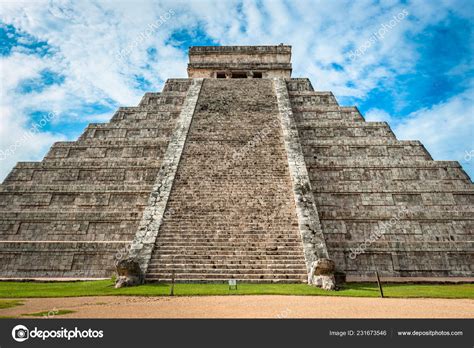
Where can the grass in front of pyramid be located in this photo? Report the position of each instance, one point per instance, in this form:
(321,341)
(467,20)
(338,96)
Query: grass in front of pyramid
(106,288)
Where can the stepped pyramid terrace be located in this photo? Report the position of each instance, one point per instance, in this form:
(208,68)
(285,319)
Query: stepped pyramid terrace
(239,171)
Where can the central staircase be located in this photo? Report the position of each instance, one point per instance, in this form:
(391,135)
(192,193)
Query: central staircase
(231,212)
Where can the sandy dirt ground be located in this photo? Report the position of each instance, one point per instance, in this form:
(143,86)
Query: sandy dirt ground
(246,307)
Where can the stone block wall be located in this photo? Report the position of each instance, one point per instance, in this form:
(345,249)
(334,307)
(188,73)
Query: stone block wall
(383,203)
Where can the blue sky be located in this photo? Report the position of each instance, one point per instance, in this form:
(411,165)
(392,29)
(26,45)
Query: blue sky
(82,59)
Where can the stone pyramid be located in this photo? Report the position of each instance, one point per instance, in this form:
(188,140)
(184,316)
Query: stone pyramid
(238,171)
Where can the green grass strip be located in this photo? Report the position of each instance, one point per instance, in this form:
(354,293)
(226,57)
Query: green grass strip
(4,304)
(105,288)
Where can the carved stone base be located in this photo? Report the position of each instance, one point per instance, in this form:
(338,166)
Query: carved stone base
(128,273)
(322,274)
(325,282)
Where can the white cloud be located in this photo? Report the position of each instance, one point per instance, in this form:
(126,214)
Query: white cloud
(87,35)
(446,129)
(18,142)
(377,115)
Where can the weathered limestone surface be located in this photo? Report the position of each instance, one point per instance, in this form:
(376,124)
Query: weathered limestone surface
(383,203)
(312,236)
(153,216)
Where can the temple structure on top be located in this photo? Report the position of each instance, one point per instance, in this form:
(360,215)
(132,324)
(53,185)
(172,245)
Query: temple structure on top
(239,171)
(240,61)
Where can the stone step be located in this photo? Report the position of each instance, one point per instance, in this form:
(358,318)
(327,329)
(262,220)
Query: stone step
(122,142)
(229,248)
(90,163)
(177,84)
(343,124)
(146,124)
(151,96)
(152,120)
(323,176)
(72,235)
(231,244)
(365,154)
(308,93)
(217,281)
(390,245)
(223,237)
(34,207)
(425,199)
(422,235)
(347,132)
(210,239)
(189,231)
(354,163)
(152,107)
(258,229)
(236,186)
(93,131)
(357,152)
(110,150)
(19,187)
(322,108)
(312,99)
(213,257)
(439,213)
(80,176)
(359,142)
(158,101)
(213,208)
(61,215)
(299,111)
(154,99)
(180,221)
(228,264)
(299,84)
(223,277)
(71,229)
(207,240)
(225,271)
(454,186)
(153,116)
(107,153)
(329,113)
(229,252)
